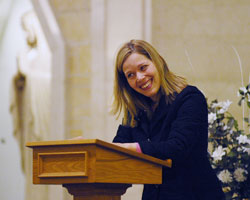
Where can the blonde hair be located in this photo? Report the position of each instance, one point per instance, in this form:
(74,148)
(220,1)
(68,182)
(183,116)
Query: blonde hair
(129,101)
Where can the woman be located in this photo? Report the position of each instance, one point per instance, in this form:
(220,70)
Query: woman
(164,118)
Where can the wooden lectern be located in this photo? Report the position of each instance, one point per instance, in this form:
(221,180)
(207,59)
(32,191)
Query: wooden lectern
(93,169)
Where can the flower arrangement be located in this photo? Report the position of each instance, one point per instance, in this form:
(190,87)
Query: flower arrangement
(229,148)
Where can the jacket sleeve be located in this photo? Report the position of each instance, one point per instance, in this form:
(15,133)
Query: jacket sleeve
(189,129)
(123,135)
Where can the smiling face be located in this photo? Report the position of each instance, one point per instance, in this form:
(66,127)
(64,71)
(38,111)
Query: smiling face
(142,75)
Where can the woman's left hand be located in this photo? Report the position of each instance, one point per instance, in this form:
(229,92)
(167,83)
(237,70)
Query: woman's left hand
(130,146)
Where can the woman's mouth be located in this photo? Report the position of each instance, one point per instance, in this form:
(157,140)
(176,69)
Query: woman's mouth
(146,85)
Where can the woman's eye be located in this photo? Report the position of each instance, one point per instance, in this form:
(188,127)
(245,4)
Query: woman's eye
(143,67)
(129,75)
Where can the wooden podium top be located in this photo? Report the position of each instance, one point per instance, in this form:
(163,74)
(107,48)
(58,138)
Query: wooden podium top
(92,161)
(166,163)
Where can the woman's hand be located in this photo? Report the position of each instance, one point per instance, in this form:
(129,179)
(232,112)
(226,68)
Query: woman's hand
(77,138)
(130,146)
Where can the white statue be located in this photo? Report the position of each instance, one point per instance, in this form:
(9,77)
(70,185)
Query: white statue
(30,98)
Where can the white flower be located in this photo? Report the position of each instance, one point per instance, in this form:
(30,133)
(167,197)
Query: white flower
(221,111)
(215,105)
(243,89)
(239,174)
(245,149)
(228,150)
(235,195)
(239,149)
(211,118)
(210,147)
(225,176)
(222,105)
(226,189)
(209,132)
(225,106)
(218,153)
(248,97)
(242,139)
(214,166)
(229,136)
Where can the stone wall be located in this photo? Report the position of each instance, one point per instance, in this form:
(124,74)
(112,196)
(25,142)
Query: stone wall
(73,18)
(206,41)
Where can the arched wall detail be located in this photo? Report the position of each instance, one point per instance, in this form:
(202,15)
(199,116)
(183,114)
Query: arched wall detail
(56,45)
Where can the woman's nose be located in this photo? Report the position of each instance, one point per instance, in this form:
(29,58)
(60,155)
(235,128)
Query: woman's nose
(139,76)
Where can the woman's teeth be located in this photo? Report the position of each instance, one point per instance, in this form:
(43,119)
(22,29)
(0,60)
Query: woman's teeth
(146,85)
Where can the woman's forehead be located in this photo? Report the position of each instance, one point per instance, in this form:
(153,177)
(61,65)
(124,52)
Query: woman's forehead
(135,60)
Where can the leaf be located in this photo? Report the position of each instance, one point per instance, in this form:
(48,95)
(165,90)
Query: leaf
(230,122)
(248,86)
(246,119)
(245,156)
(231,154)
(236,126)
(247,146)
(241,92)
(239,103)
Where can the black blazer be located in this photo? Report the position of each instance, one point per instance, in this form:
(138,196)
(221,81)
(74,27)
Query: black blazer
(178,131)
